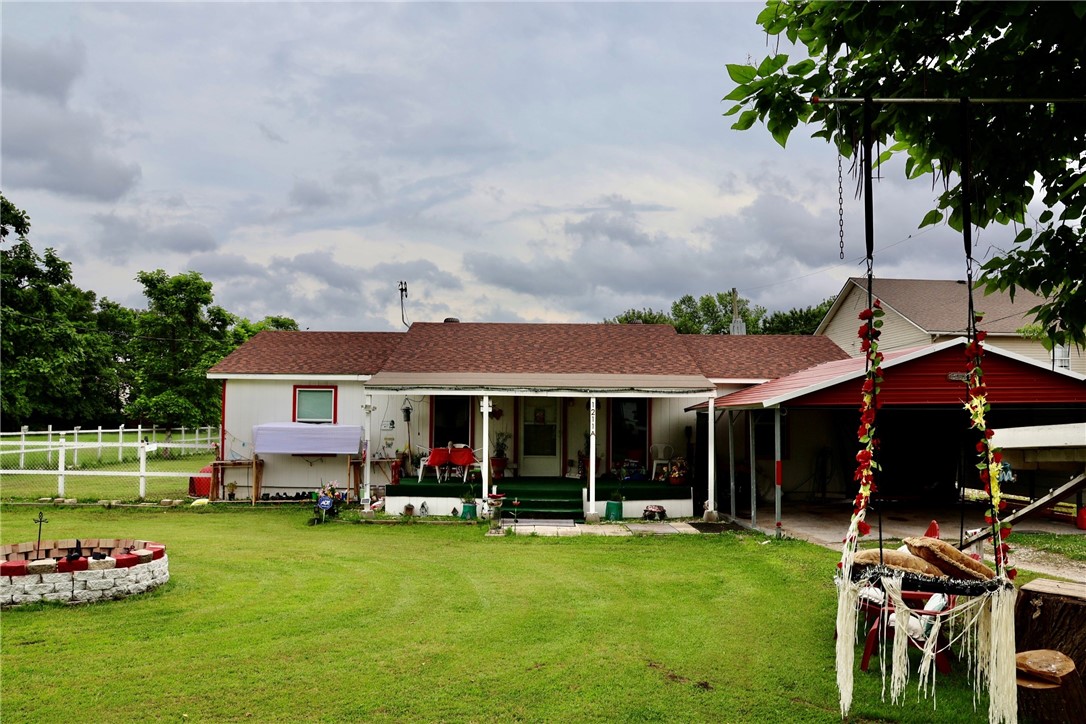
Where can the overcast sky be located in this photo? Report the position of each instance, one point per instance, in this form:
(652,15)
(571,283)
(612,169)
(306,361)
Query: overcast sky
(510,162)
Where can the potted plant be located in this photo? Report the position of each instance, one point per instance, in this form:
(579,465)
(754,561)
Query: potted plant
(500,459)
(614,506)
(231,488)
(470,507)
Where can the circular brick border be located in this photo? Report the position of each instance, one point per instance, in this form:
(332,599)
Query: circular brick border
(31,573)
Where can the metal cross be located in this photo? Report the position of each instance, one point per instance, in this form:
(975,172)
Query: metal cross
(39,520)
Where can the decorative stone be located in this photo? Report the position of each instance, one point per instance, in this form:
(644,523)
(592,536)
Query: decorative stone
(40,589)
(88,575)
(58,596)
(46,565)
(144,555)
(100,585)
(100,565)
(71,501)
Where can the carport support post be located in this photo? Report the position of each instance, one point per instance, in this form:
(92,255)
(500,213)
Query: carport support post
(485,406)
(753,472)
(712,456)
(778,470)
(368,411)
(731,460)
(592,460)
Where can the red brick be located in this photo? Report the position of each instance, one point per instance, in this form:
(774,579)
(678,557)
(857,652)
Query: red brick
(126,560)
(66,566)
(13,568)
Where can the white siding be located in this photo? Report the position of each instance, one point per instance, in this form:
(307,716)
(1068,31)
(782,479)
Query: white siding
(897,332)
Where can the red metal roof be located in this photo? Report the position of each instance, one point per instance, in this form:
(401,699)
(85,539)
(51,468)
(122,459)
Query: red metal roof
(917,377)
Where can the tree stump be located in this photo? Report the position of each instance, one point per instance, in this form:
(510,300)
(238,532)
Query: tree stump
(1049,687)
(1050,616)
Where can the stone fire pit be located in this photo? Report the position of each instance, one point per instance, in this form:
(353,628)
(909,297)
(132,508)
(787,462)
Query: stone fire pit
(74,571)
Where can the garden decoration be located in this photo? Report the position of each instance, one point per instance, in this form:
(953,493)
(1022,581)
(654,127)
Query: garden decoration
(495,501)
(39,520)
(329,499)
(983,618)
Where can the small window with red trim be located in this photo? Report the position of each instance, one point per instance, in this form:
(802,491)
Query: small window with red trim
(315,404)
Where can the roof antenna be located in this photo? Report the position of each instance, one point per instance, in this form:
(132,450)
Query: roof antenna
(403,296)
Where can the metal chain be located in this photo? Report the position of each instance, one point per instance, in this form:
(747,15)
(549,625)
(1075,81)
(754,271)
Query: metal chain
(840,193)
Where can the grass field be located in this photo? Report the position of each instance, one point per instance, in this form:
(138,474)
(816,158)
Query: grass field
(268,619)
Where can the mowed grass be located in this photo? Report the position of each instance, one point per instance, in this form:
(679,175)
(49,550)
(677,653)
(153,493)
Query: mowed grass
(268,619)
(106,483)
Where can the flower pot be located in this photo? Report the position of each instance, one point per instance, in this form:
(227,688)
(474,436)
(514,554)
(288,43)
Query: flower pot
(469,512)
(614,510)
(497,466)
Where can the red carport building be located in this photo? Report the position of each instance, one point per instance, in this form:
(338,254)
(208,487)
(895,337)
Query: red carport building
(926,445)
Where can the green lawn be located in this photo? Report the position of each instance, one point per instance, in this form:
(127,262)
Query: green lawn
(268,619)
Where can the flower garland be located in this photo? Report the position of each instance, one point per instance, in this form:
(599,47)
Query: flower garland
(870,403)
(990,457)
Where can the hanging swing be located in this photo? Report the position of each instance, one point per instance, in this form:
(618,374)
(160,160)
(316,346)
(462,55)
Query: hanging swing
(982,619)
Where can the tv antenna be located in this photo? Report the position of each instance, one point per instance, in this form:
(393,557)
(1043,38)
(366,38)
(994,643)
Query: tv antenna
(403,296)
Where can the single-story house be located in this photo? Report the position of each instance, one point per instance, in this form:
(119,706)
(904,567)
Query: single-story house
(591,400)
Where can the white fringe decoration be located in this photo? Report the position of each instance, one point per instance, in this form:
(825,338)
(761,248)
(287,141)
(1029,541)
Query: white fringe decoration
(1002,687)
(848,597)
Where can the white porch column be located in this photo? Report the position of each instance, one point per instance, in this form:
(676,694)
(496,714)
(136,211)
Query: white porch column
(778,470)
(731,460)
(485,406)
(367,465)
(592,455)
(753,472)
(712,454)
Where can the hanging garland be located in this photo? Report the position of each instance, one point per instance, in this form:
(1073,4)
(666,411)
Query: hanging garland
(866,465)
(990,457)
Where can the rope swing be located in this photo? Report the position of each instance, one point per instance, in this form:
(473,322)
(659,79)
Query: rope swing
(983,624)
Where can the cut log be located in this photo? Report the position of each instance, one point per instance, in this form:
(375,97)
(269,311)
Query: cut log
(1049,687)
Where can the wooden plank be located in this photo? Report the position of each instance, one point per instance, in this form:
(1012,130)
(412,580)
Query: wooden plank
(1074,484)
(1049,586)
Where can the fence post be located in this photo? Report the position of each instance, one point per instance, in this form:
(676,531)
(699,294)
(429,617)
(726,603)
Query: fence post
(49,439)
(60,469)
(75,446)
(120,443)
(22,447)
(99,443)
(139,432)
(143,469)
(154,432)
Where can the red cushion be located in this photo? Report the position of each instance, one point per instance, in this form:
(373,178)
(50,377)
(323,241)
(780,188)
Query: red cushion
(126,560)
(13,568)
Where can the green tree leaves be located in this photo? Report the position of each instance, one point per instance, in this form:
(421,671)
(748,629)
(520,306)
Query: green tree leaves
(950,51)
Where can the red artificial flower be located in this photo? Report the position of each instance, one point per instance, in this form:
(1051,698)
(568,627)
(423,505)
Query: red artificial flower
(1003,533)
(1012,573)
(864,330)
(866,314)
(863,527)
(878,304)
(869,385)
(981,336)
(997,457)
(980,446)
(863,457)
(989,433)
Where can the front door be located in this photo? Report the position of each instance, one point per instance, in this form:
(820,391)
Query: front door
(540,454)
(452,420)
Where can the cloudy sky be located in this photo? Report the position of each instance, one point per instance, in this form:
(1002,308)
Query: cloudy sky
(510,162)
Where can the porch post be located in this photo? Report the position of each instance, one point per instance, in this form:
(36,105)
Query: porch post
(778,471)
(485,406)
(711,469)
(366,463)
(592,455)
(731,460)
(753,480)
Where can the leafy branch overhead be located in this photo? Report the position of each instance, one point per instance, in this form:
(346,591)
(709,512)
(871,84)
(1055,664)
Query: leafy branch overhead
(1019,152)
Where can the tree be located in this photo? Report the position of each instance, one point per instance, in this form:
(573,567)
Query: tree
(950,51)
(177,339)
(797,321)
(643,316)
(712,314)
(57,363)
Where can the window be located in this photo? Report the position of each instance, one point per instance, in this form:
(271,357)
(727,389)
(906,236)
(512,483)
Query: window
(314,404)
(629,429)
(1061,357)
(452,420)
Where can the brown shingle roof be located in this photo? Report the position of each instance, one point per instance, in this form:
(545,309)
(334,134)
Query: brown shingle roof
(311,353)
(759,356)
(500,348)
(941,306)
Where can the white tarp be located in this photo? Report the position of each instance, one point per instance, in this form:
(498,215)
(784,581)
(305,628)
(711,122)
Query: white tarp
(301,438)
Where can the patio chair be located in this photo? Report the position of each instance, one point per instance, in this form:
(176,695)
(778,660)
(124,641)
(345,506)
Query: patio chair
(919,627)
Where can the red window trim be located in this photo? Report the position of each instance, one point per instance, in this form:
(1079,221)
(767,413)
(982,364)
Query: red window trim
(335,400)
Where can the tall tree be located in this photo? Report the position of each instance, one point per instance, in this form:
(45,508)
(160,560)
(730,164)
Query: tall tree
(712,314)
(951,51)
(803,320)
(57,364)
(177,339)
(642,316)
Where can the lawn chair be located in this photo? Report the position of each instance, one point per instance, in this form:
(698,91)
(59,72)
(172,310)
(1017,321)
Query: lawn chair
(920,627)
